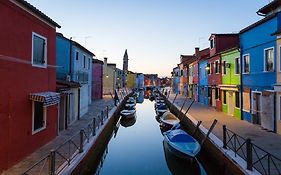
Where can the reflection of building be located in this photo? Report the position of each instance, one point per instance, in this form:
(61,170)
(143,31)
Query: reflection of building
(175,79)
(97,82)
(150,80)
(109,84)
(140,98)
(28,102)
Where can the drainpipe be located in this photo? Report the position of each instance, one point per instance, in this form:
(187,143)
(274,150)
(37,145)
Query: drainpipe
(70,61)
(241,84)
(79,103)
(274,114)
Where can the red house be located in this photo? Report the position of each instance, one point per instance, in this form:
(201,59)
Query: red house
(218,44)
(28,102)
(97,85)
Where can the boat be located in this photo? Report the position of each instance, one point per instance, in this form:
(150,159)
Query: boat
(125,113)
(179,166)
(131,100)
(160,110)
(182,144)
(130,106)
(168,120)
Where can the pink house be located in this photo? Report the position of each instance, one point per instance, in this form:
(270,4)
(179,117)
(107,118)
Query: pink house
(97,85)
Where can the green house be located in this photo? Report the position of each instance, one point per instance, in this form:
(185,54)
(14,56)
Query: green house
(231,100)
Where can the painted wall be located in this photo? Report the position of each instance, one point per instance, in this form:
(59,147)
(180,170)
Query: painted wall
(97,85)
(131,80)
(203,82)
(18,80)
(278,88)
(253,42)
(230,78)
(108,79)
(139,81)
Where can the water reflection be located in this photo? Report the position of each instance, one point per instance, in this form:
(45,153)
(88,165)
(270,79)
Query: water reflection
(179,166)
(140,97)
(128,122)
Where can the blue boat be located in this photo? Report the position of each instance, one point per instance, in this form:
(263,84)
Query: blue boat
(182,144)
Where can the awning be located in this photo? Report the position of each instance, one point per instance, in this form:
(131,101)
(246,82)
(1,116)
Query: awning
(229,87)
(47,98)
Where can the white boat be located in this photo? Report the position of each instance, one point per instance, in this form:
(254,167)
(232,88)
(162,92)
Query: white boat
(169,120)
(161,109)
(128,113)
(182,144)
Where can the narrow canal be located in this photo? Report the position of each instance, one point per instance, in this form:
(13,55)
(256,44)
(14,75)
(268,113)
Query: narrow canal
(136,147)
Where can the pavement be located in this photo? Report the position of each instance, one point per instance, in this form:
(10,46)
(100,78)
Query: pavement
(269,141)
(94,110)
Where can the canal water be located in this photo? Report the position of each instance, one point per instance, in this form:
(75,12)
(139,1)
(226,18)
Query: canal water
(136,147)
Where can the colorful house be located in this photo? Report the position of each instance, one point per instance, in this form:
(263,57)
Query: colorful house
(230,86)
(258,46)
(75,64)
(97,85)
(28,105)
(139,84)
(203,97)
(175,79)
(185,60)
(109,77)
(218,44)
(130,81)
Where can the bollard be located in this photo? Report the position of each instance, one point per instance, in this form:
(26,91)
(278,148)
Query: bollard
(249,154)
(107,111)
(94,126)
(52,162)
(224,136)
(81,141)
(101,117)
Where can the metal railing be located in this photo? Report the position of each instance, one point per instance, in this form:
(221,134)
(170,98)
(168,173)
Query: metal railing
(62,156)
(255,156)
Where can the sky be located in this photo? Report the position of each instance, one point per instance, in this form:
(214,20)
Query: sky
(155,32)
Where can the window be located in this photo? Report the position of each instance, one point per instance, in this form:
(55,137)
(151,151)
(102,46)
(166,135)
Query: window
(224,67)
(217,94)
(84,61)
(237,100)
(38,117)
(209,92)
(39,50)
(77,55)
(279,58)
(89,63)
(279,107)
(246,101)
(224,97)
(268,59)
(246,63)
(237,66)
(181,73)
(217,67)
(212,43)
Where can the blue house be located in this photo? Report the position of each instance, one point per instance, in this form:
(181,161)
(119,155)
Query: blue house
(203,76)
(74,64)
(258,75)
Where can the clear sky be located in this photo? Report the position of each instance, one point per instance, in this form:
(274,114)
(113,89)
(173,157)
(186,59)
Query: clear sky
(155,32)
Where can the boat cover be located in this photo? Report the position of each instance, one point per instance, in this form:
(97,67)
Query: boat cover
(179,136)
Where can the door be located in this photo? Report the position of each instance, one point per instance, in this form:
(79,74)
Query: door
(62,111)
(256,108)
(230,103)
(213,97)
(202,95)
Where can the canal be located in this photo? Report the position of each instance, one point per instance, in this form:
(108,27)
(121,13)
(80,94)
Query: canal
(136,147)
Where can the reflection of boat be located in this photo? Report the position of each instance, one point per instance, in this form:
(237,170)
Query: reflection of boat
(180,166)
(128,122)
(169,120)
(181,144)
(128,113)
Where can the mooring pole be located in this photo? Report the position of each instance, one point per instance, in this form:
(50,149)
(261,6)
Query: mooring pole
(185,100)
(210,130)
(224,136)
(189,107)
(175,97)
(197,127)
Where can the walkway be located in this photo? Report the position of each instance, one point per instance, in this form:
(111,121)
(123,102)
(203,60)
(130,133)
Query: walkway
(269,141)
(94,110)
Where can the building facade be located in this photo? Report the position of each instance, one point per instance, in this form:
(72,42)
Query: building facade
(28,105)
(109,77)
(97,79)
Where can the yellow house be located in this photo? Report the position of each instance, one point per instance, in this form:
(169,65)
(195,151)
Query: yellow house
(130,80)
(277,86)
(108,78)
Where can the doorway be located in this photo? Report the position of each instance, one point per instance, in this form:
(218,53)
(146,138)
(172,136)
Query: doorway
(256,107)
(230,103)
(213,97)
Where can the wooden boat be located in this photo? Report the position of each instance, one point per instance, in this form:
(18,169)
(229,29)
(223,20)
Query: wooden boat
(182,144)
(128,113)
(168,120)
(160,110)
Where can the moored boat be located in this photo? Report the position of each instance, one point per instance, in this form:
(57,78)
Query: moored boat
(128,113)
(181,144)
(168,120)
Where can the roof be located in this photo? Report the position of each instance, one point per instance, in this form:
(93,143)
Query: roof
(258,23)
(76,44)
(187,59)
(37,12)
(230,49)
(204,52)
(111,64)
(269,7)
(97,61)
(222,34)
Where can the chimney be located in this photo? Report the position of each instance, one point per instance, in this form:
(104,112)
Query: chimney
(197,51)
(105,61)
